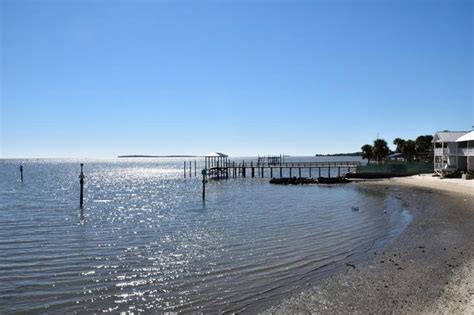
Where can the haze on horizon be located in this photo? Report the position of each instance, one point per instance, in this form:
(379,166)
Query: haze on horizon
(101,79)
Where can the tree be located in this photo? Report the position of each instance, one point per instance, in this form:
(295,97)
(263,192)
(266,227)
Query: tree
(423,146)
(380,149)
(400,143)
(410,150)
(367,152)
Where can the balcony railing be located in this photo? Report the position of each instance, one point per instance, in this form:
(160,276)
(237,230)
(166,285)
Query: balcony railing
(466,151)
(458,151)
(445,151)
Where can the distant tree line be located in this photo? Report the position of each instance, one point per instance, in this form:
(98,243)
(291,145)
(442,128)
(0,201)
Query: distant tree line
(420,149)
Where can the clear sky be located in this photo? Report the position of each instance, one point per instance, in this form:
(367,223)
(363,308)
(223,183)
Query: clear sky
(103,78)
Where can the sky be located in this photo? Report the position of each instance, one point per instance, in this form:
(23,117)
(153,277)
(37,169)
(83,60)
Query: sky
(98,78)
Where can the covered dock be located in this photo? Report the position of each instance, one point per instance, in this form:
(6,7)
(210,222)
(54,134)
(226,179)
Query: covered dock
(216,165)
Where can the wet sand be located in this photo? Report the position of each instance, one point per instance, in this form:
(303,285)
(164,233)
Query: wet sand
(428,269)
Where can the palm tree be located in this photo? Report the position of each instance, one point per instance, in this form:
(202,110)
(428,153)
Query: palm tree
(400,143)
(380,149)
(367,152)
(410,150)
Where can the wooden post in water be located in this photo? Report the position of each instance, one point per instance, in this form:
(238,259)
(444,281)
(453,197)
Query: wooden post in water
(243,169)
(81,182)
(263,175)
(299,171)
(271,172)
(253,169)
(190,169)
(329,171)
(338,172)
(281,172)
(310,172)
(195,168)
(21,173)
(184,169)
(290,171)
(319,168)
(203,172)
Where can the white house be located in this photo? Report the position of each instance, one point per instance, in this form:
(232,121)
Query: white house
(453,151)
(466,151)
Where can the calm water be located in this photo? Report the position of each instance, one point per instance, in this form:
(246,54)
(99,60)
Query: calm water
(147,242)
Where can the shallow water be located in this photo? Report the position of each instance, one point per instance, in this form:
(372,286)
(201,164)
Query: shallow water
(147,241)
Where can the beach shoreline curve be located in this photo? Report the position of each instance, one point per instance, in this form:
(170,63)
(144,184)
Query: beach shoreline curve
(427,269)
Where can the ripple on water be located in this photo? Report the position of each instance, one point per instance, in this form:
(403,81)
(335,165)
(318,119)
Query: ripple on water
(147,241)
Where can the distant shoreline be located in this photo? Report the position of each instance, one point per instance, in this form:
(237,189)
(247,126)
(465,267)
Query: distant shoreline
(341,154)
(156,156)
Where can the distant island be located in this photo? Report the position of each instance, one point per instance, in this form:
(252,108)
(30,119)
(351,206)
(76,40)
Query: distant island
(156,156)
(341,154)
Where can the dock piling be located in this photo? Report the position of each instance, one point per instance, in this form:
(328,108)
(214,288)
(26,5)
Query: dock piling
(21,173)
(81,182)
(203,172)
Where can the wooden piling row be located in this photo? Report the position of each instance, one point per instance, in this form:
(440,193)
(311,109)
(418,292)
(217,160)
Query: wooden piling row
(185,168)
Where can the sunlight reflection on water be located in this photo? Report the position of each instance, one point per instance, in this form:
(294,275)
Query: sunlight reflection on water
(149,243)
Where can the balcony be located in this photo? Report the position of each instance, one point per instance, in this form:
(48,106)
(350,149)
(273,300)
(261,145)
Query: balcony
(466,151)
(445,151)
(450,151)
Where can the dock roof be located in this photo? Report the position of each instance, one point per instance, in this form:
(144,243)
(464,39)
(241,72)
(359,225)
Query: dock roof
(216,154)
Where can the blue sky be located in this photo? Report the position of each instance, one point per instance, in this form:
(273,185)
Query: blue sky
(103,78)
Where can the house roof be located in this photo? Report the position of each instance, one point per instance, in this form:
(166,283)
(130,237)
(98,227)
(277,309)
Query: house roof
(395,155)
(216,154)
(467,137)
(448,136)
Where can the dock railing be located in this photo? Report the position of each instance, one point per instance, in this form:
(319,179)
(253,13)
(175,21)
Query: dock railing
(293,164)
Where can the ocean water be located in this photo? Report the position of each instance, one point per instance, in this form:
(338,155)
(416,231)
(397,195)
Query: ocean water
(147,242)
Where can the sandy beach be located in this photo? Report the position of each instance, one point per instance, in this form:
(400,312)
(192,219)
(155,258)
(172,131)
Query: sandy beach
(428,269)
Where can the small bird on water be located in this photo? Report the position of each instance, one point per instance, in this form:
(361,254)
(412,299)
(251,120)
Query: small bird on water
(354,208)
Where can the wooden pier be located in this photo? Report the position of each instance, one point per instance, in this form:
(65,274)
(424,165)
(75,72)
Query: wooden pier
(252,169)
(218,166)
